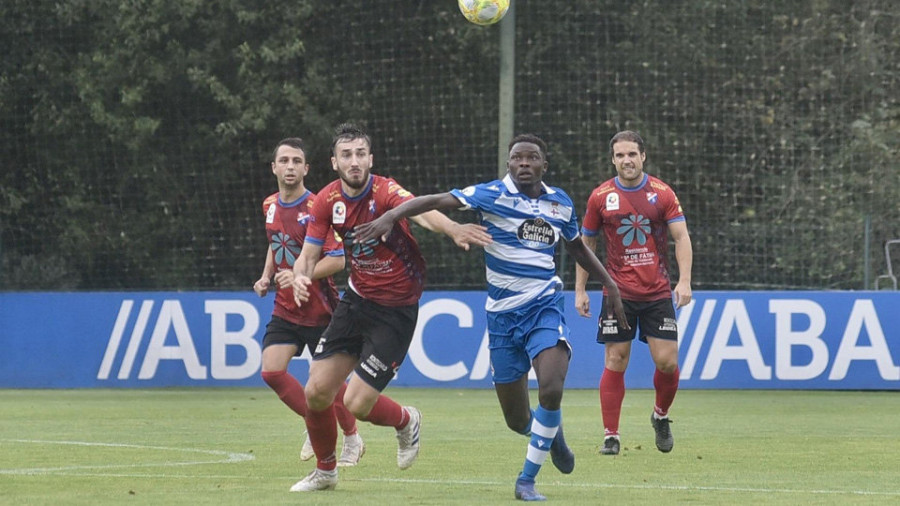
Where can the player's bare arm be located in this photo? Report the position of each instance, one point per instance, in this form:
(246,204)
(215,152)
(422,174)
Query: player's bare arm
(304,269)
(582,301)
(327,266)
(463,234)
(425,212)
(684,256)
(261,287)
(588,260)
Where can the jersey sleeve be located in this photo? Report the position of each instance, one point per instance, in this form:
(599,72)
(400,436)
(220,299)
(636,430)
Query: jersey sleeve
(592,218)
(334,245)
(267,203)
(672,209)
(569,229)
(319,227)
(396,194)
(476,197)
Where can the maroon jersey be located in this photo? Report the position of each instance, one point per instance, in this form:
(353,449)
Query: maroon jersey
(286,229)
(389,273)
(635,224)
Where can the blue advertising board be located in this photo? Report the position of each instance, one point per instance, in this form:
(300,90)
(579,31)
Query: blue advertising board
(761,340)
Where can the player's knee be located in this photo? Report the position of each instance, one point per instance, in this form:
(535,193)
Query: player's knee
(550,397)
(667,367)
(357,408)
(316,398)
(616,362)
(518,424)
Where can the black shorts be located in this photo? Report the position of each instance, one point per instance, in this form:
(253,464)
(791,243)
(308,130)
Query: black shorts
(378,335)
(654,319)
(281,331)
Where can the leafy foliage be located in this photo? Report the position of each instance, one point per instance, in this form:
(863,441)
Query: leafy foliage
(136,135)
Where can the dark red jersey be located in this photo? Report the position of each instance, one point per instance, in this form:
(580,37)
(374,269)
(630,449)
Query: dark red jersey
(389,273)
(286,229)
(635,223)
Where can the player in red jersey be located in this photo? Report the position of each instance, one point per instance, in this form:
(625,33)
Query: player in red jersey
(292,328)
(374,322)
(637,212)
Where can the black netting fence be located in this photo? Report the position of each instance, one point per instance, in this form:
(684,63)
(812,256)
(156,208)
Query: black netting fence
(135,137)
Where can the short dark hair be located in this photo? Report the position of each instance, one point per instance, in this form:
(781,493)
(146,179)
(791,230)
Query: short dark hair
(533,139)
(349,132)
(626,136)
(294,142)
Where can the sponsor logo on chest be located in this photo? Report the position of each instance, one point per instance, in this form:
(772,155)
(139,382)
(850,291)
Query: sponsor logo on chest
(536,233)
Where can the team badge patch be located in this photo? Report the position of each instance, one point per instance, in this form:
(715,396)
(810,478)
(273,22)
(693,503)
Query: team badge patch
(338,213)
(612,201)
(652,197)
(554,209)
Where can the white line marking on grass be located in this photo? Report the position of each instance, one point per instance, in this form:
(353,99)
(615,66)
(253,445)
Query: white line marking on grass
(686,488)
(234,457)
(229,457)
(158,476)
(643,487)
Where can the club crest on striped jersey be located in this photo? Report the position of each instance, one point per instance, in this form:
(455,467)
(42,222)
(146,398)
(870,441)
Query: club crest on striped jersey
(554,209)
(536,233)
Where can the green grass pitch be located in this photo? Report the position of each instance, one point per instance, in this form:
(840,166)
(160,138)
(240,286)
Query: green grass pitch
(240,446)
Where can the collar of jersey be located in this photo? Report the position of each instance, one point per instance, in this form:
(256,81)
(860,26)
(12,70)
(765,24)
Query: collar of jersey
(296,202)
(636,188)
(511,186)
(363,193)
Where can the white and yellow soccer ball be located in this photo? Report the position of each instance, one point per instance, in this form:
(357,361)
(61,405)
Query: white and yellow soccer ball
(483,12)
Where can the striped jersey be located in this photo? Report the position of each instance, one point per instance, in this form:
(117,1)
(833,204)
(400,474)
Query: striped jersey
(519,262)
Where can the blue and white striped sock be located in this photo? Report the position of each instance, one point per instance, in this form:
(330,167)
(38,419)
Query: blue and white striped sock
(544,426)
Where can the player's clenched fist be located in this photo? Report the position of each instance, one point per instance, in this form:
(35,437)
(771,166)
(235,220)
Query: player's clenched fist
(261,287)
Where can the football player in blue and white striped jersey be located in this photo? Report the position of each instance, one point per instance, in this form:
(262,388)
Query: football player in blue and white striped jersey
(525,306)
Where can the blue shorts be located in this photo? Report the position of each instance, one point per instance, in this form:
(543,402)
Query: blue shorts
(517,336)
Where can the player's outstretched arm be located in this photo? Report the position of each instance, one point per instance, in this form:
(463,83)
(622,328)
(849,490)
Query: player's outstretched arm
(588,260)
(463,234)
(424,211)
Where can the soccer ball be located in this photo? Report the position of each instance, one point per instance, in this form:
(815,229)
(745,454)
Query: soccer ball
(483,12)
